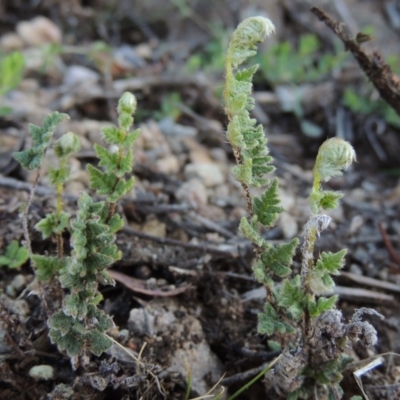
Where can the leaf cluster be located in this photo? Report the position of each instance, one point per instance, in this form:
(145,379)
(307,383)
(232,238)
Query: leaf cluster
(81,325)
(32,158)
(284,63)
(11,71)
(14,256)
(117,161)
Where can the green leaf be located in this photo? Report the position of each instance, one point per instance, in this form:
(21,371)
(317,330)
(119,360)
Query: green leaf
(61,322)
(122,188)
(49,225)
(72,343)
(115,223)
(269,323)
(98,342)
(293,297)
(46,266)
(331,262)
(278,258)
(108,159)
(15,255)
(246,74)
(130,139)
(234,133)
(113,135)
(11,71)
(265,207)
(243,172)
(249,231)
(323,304)
(329,199)
(104,322)
(75,305)
(126,164)
(58,175)
(102,182)
(274,345)
(31,159)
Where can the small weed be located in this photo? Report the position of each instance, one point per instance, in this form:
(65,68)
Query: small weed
(15,256)
(11,73)
(283,63)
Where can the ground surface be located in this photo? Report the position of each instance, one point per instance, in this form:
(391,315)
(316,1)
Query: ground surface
(184,285)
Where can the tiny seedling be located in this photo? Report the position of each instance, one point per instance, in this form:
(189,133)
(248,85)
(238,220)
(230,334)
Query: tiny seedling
(15,256)
(11,73)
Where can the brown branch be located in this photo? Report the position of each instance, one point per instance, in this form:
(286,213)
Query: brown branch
(373,65)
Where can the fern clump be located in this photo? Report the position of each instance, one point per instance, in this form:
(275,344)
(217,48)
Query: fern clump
(80,326)
(300,311)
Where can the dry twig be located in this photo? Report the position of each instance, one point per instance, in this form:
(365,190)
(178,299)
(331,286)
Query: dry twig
(373,65)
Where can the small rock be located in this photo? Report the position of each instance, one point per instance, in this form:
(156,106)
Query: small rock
(154,227)
(61,392)
(210,173)
(39,31)
(19,307)
(396,226)
(356,269)
(127,59)
(75,188)
(140,321)
(10,291)
(289,225)
(5,346)
(19,282)
(10,42)
(170,128)
(77,75)
(361,255)
(168,165)
(194,192)
(287,199)
(42,372)
(29,85)
(355,224)
(150,137)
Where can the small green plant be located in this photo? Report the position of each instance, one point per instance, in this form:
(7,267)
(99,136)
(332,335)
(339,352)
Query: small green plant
(15,256)
(11,72)
(282,63)
(362,103)
(80,326)
(300,311)
(169,107)
(212,58)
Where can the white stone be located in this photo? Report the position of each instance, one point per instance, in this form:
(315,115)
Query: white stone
(42,372)
(210,173)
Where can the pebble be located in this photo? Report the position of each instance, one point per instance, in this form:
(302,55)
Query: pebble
(170,128)
(355,224)
(76,75)
(154,227)
(289,225)
(168,165)
(11,42)
(210,173)
(356,269)
(19,282)
(39,31)
(42,372)
(194,192)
